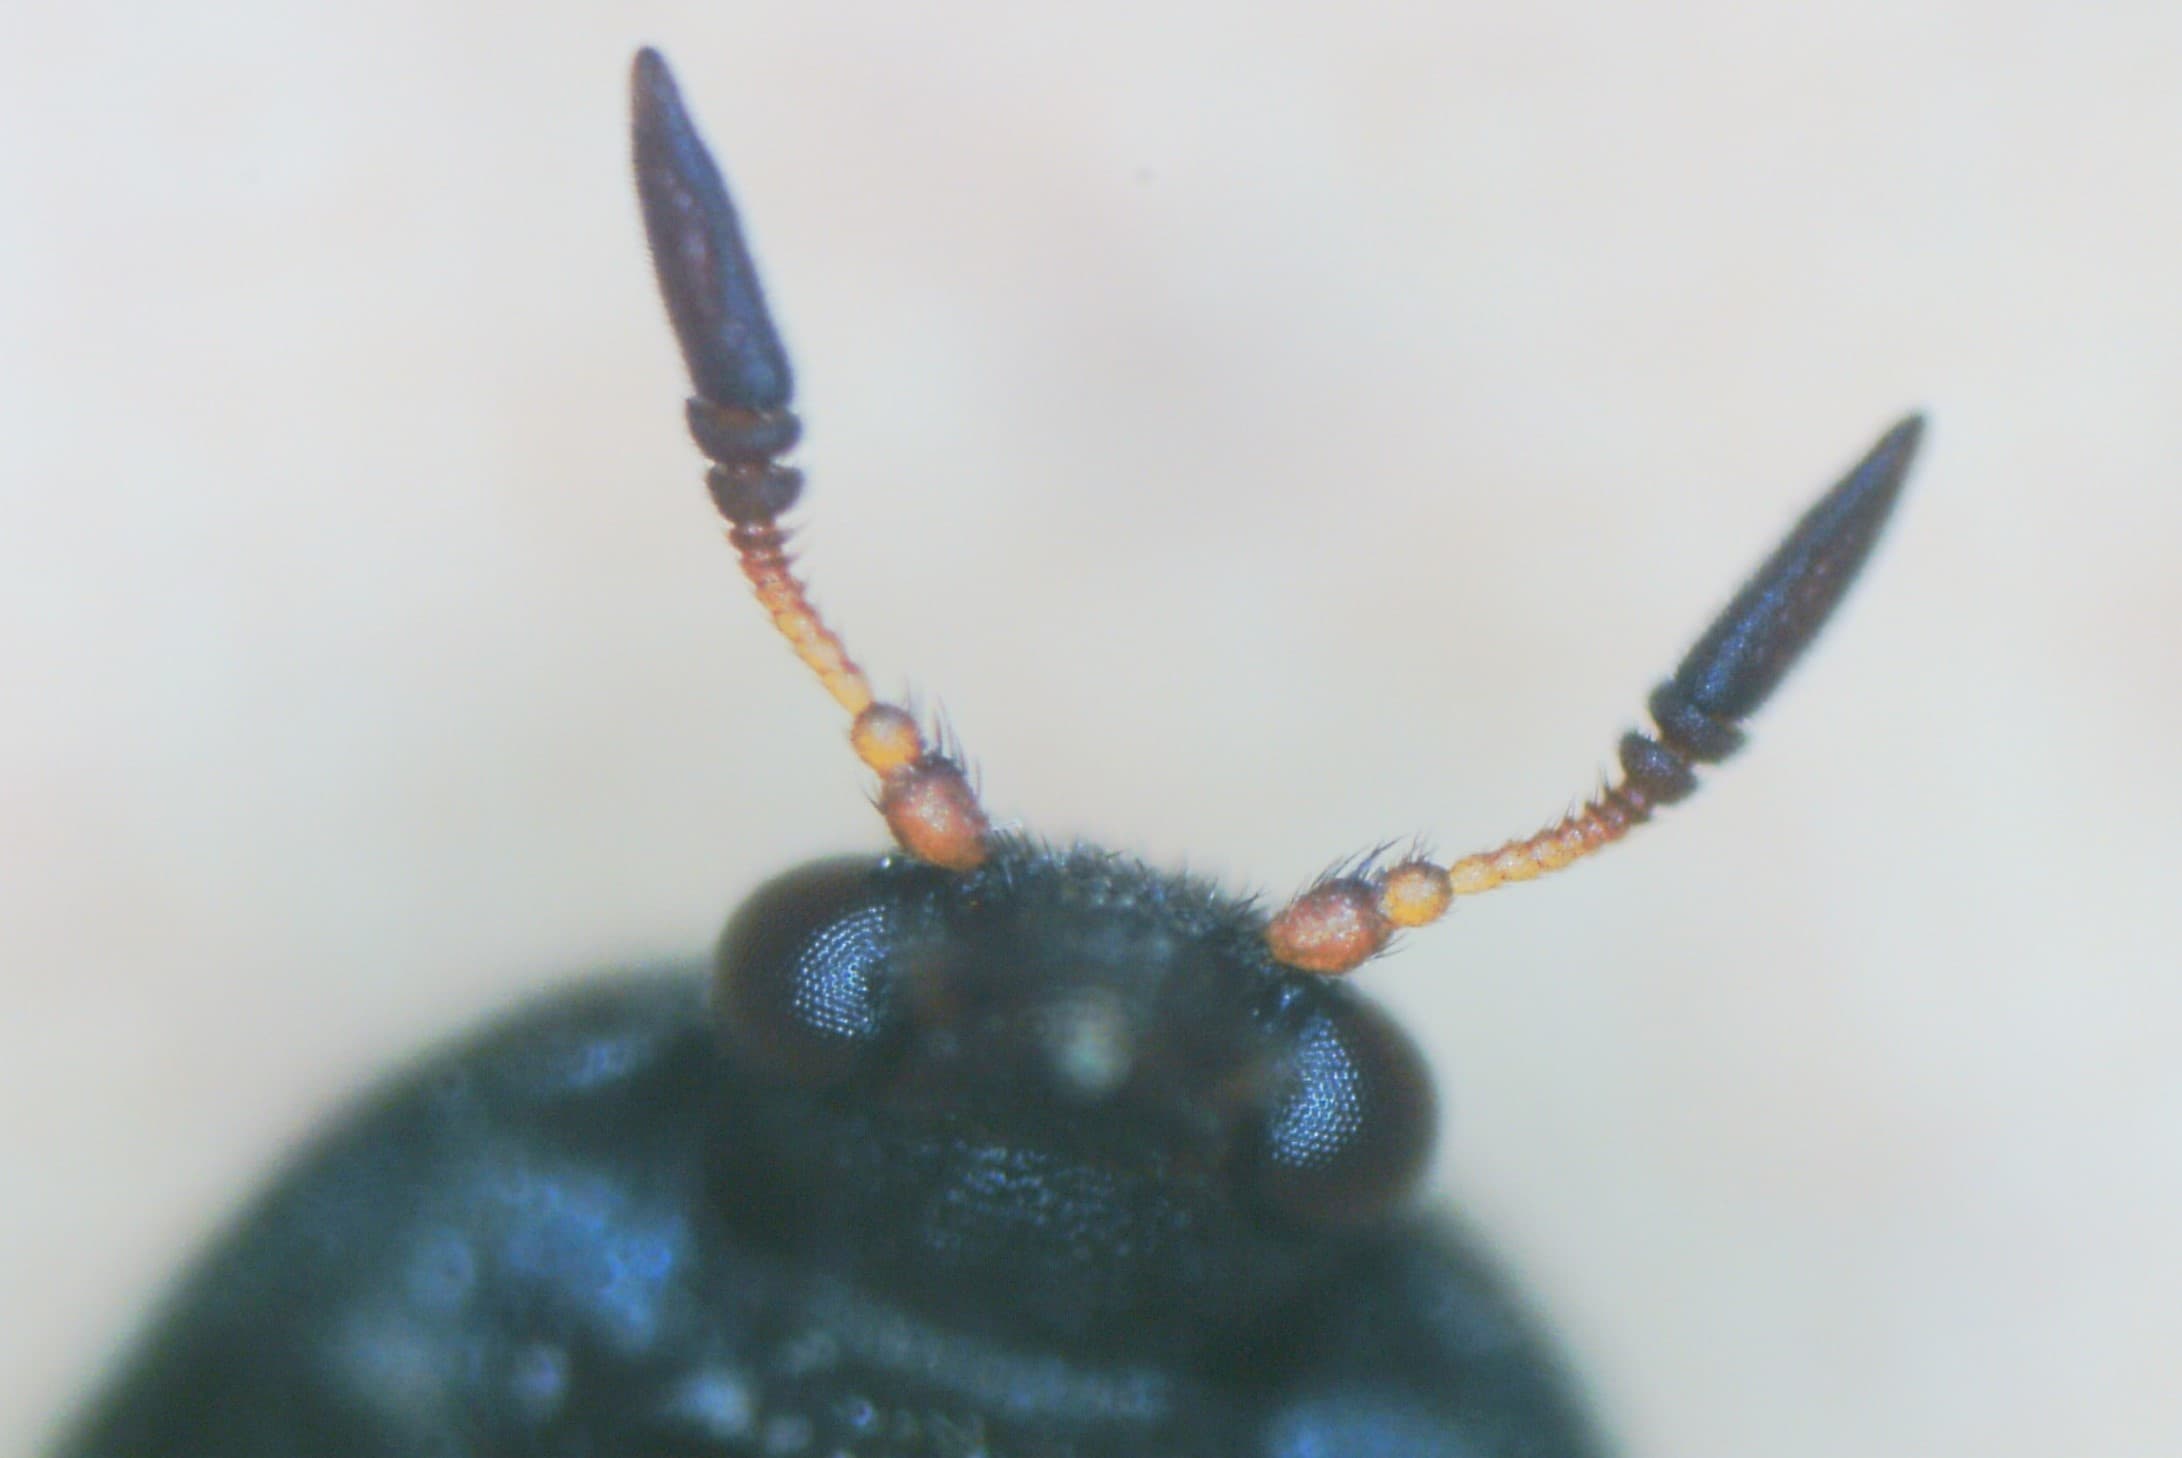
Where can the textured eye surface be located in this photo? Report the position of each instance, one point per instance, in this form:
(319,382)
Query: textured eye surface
(1353,1123)
(802,975)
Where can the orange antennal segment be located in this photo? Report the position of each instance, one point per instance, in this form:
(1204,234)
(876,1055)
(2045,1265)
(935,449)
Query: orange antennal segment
(741,420)
(762,547)
(1341,923)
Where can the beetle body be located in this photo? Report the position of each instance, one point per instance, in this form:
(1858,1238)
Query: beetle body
(590,1230)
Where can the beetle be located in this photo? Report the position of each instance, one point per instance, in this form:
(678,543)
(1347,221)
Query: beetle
(983,1146)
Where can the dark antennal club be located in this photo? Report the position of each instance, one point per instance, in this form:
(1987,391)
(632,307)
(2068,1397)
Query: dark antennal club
(1341,923)
(741,420)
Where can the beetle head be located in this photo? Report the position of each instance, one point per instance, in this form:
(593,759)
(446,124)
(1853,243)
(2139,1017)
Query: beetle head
(1061,1072)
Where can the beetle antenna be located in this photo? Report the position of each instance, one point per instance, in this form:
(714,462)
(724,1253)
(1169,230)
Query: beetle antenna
(1338,925)
(741,420)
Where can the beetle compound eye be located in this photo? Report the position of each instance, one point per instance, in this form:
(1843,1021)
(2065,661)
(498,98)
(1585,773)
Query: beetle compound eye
(1349,1132)
(803,978)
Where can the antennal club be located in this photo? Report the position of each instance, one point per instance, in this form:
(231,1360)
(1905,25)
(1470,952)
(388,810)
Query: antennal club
(741,420)
(1341,923)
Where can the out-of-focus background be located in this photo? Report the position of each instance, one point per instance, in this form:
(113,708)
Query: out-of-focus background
(1266,430)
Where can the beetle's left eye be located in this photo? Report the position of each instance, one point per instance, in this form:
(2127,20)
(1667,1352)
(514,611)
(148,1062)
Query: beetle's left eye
(803,985)
(1348,1135)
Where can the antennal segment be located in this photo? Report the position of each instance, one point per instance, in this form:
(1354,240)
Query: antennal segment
(1341,923)
(741,420)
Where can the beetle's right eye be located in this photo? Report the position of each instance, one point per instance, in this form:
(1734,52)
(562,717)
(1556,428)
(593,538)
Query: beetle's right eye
(1348,1137)
(803,984)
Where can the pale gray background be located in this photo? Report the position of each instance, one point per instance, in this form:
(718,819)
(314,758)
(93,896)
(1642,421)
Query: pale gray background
(369,658)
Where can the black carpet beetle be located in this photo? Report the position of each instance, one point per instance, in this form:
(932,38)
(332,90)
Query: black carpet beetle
(981,1147)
